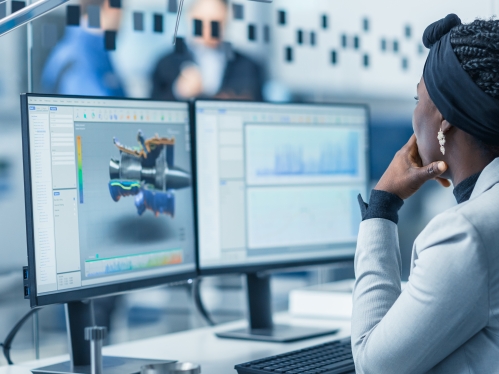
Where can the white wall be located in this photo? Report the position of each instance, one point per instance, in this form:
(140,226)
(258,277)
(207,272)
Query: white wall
(312,70)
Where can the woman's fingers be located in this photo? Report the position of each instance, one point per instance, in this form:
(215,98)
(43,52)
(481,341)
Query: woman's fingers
(444,182)
(431,171)
(412,145)
(406,173)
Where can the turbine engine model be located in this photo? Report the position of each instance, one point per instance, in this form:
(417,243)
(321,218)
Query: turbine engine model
(148,173)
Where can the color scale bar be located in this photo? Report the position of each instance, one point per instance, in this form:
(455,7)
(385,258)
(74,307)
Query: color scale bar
(139,261)
(80,167)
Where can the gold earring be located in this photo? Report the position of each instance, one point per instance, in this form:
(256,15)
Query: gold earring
(441,141)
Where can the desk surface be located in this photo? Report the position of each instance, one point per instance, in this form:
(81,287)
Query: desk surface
(215,355)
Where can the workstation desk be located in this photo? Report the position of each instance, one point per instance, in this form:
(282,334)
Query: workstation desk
(215,355)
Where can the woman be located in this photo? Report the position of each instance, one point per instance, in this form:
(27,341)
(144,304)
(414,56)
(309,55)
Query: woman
(447,318)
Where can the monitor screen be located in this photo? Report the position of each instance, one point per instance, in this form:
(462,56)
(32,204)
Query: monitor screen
(277,185)
(109,189)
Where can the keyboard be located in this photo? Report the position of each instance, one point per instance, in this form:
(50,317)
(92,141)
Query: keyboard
(329,358)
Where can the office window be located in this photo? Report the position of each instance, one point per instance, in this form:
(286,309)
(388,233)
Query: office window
(344,41)
(3,10)
(93,16)
(158,23)
(334,57)
(252,33)
(408,31)
(383,44)
(325,21)
(266,33)
(289,54)
(110,40)
(356,42)
(366,60)
(215,29)
(365,24)
(238,11)
(72,15)
(281,17)
(138,21)
(313,40)
(93,12)
(17,5)
(198,27)
(299,37)
(395,46)
(405,63)
(172,6)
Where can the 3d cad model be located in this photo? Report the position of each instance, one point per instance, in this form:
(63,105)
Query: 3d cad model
(148,173)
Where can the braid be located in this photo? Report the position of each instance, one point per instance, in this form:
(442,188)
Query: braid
(476,46)
(467,51)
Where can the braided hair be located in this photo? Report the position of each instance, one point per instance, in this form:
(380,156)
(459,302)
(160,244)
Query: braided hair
(476,46)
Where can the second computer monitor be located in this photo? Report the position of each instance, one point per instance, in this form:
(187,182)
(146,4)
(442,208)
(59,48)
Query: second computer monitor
(277,185)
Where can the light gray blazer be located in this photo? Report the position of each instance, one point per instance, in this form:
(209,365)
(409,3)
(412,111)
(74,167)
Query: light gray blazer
(447,318)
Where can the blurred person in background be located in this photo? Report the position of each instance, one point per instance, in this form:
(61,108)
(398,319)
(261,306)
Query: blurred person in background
(203,65)
(80,64)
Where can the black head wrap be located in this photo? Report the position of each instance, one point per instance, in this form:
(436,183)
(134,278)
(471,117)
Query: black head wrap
(452,90)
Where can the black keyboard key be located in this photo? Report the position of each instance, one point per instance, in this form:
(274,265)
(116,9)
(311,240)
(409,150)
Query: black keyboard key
(259,366)
(338,365)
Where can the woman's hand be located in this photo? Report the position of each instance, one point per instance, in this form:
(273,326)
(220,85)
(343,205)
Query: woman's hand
(406,173)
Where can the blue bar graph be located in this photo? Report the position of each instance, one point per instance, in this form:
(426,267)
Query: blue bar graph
(301,154)
(333,159)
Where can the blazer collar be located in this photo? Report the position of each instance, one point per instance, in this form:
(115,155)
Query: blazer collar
(488,178)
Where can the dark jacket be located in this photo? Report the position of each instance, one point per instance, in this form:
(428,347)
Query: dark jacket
(243,77)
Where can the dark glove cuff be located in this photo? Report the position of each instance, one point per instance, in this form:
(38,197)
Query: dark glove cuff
(382,204)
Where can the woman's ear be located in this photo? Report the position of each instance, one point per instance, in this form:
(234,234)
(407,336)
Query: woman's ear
(445,126)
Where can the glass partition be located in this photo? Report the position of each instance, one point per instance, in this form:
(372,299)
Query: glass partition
(365,51)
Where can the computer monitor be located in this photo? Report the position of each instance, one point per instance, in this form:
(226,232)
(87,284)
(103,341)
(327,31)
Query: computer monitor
(109,201)
(277,187)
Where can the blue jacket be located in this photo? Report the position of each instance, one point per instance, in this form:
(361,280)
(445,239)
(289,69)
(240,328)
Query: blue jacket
(80,65)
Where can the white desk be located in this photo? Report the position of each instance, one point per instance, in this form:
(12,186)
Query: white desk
(215,355)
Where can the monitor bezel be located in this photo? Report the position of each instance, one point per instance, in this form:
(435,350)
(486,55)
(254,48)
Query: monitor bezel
(99,290)
(271,266)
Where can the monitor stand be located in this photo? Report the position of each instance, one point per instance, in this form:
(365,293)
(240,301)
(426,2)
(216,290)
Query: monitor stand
(261,326)
(79,315)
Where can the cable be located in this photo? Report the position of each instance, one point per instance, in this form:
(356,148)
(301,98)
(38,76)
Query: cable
(179,13)
(196,291)
(6,345)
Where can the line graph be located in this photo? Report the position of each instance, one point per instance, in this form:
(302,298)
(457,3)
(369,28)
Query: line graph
(294,154)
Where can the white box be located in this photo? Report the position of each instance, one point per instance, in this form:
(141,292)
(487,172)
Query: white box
(329,300)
